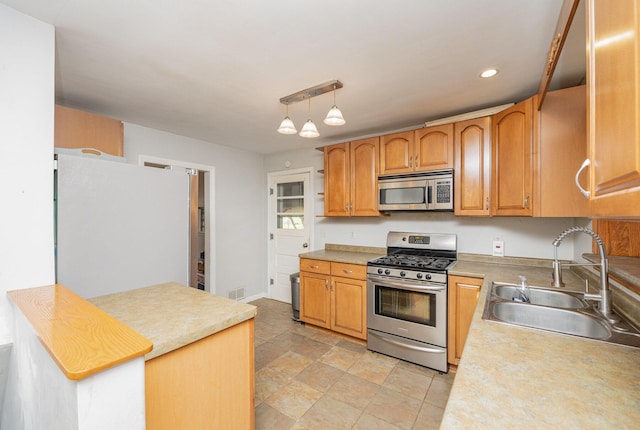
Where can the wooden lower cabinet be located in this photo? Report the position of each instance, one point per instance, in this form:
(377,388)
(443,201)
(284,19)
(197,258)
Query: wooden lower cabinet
(335,298)
(463,298)
(208,384)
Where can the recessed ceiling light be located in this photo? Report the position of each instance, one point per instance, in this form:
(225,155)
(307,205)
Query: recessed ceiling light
(489,73)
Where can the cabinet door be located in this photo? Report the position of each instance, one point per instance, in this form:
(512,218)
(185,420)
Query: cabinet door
(396,153)
(561,150)
(512,169)
(336,180)
(614,107)
(364,177)
(349,309)
(472,173)
(463,297)
(315,306)
(79,129)
(434,148)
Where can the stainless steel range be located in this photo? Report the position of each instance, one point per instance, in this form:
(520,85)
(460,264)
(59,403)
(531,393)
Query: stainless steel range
(407,298)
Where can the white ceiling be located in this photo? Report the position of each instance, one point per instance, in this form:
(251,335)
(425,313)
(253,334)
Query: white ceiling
(215,70)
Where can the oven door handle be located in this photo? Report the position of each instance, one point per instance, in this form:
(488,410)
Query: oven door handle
(404,345)
(406,285)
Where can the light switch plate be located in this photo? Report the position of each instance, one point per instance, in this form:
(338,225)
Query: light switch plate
(498,248)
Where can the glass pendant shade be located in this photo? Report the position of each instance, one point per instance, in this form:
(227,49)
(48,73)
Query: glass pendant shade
(287,127)
(334,117)
(309,129)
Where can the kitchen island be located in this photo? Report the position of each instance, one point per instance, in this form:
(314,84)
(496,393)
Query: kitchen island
(200,372)
(512,377)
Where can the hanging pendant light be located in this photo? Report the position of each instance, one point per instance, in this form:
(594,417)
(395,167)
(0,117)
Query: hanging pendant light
(309,128)
(334,117)
(286,126)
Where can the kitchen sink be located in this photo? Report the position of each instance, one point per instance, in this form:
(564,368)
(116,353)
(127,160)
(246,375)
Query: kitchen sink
(542,296)
(553,319)
(564,312)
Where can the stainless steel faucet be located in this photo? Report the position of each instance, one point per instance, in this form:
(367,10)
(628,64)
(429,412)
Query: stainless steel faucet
(604,298)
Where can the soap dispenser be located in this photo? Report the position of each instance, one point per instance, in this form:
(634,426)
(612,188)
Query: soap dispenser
(522,291)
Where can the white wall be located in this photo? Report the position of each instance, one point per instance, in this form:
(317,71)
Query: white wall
(239,207)
(26,154)
(523,237)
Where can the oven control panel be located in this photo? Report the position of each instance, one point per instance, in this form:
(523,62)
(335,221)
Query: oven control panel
(415,275)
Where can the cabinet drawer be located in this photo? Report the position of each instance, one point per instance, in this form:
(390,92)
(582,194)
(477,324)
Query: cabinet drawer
(354,271)
(315,266)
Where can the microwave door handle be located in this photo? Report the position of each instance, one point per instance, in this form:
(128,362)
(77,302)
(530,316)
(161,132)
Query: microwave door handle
(429,195)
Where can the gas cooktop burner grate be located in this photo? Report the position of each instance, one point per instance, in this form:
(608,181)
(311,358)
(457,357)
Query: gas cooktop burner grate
(412,261)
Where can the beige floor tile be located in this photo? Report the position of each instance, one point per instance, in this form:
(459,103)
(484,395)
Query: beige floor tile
(278,373)
(369,422)
(267,352)
(295,364)
(340,358)
(322,336)
(294,400)
(319,376)
(267,418)
(407,382)
(328,413)
(415,368)
(373,367)
(356,347)
(395,408)
(438,393)
(354,391)
(429,417)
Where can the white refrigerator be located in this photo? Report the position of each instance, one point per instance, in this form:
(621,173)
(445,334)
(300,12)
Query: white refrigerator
(119,226)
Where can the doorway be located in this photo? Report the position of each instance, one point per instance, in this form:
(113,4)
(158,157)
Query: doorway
(290,227)
(201,206)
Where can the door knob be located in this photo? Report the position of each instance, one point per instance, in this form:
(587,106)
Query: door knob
(305,245)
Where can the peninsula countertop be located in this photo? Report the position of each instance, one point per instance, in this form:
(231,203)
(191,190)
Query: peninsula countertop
(512,377)
(173,315)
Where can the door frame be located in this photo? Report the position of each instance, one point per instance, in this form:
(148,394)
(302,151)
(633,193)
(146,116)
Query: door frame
(209,213)
(271,215)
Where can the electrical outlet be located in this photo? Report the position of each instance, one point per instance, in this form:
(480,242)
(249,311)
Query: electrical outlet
(498,247)
(353,235)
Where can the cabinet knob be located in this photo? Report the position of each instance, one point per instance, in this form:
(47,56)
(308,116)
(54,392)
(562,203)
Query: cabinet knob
(315,266)
(305,245)
(526,202)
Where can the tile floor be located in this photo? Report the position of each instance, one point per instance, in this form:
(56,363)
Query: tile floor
(311,379)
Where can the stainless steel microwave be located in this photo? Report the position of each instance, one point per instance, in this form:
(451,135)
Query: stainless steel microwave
(429,191)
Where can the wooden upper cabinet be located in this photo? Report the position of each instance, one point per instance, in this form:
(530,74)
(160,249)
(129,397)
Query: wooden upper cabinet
(472,172)
(351,178)
(364,163)
(560,149)
(429,148)
(512,162)
(433,148)
(613,79)
(78,129)
(336,180)
(396,153)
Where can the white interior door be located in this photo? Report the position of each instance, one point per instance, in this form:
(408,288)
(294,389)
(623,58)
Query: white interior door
(290,230)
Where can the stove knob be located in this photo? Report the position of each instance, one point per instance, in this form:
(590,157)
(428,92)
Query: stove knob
(403,273)
(387,272)
(380,271)
(427,276)
(419,276)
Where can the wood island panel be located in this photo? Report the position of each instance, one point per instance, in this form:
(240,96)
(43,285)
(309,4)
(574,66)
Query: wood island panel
(81,338)
(206,384)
